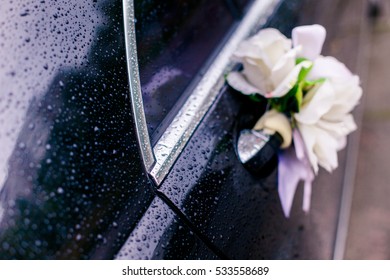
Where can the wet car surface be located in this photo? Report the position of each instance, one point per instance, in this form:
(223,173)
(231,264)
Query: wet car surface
(73,180)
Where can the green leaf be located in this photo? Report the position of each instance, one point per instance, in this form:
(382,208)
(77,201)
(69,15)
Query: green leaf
(299,96)
(304,71)
(256,98)
(308,85)
(291,102)
(300,59)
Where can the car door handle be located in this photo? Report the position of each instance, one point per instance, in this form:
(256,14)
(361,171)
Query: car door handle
(257,151)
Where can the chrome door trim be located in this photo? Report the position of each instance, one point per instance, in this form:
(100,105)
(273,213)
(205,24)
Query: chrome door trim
(135,85)
(174,139)
(159,160)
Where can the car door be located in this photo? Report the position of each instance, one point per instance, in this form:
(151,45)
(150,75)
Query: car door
(191,122)
(108,150)
(73,183)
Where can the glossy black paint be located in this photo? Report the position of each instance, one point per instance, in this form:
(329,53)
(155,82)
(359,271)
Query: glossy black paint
(76,185)
(162,234)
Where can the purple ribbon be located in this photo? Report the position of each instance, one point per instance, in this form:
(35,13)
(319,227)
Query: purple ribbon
(293,167)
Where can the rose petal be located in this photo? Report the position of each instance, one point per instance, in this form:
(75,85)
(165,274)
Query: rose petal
(267,45)
(311,38)
(248,50)
(237,81)
(321,147)
(268,36)
(316,103)
(347,96)
(289,82)
(330,68)
(272,42)
(283,67)
(340,128)
(326,148)
(308,133)
(258,75)
(341,143)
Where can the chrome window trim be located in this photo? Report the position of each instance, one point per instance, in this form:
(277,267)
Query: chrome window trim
(159,160)
(135,85)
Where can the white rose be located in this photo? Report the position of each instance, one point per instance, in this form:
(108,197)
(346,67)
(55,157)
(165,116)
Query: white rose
(325,119)
(269,60)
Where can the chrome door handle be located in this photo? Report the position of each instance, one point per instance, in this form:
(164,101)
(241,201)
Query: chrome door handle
(257,151)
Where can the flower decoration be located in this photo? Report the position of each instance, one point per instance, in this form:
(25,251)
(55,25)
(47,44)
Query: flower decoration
(310,99)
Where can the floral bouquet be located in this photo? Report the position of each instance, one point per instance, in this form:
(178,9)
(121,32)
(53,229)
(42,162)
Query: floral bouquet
(310,100)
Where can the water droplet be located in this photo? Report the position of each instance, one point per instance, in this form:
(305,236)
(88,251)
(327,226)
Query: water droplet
(25,13)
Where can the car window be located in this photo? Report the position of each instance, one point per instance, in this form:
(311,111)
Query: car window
(176,73)
(174,41)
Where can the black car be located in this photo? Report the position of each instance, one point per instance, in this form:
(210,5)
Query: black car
(119,134)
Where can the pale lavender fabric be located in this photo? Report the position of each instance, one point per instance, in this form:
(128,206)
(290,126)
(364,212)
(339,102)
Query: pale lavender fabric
(294,167)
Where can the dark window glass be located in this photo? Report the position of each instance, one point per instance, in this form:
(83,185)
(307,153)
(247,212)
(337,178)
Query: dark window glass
(174,40)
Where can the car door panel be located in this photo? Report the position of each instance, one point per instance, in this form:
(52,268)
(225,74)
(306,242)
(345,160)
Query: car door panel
(76,184)
(230,206)
(162,234)
(237,211)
